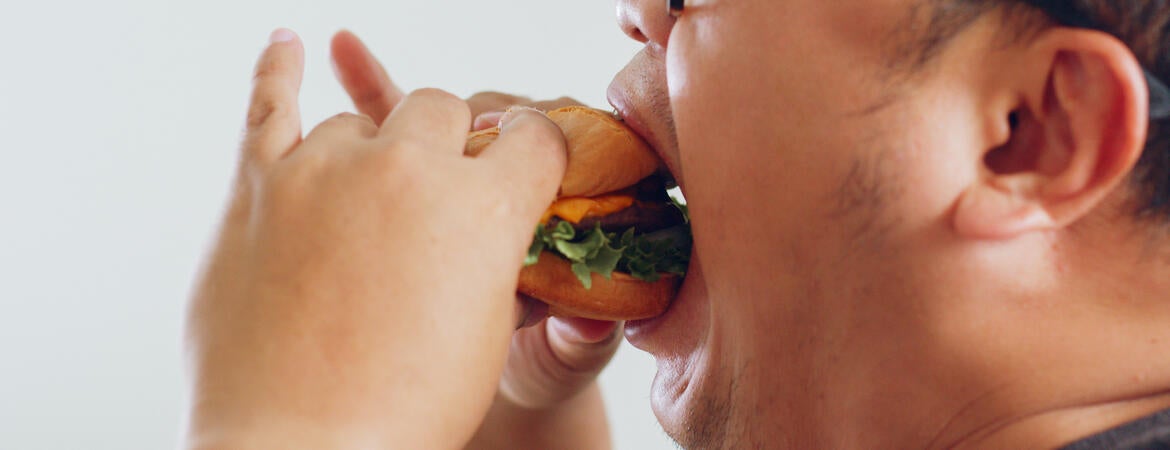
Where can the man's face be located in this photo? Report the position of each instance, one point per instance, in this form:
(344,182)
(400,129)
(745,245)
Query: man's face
(817,205)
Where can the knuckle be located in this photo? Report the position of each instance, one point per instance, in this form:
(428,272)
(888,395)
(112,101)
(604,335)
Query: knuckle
(445,101)
(263,111)
(335,121)
(350,119)
(494,98)
(433,94)
(567,101)
(562,102)
(266,68)
(486,95)
(543,132)
(345,121)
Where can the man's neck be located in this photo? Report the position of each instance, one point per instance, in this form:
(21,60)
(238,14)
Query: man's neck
(1112,273)
(1055,429)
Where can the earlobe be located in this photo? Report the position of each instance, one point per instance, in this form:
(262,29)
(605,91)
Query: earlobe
(1077,135)
(998,212)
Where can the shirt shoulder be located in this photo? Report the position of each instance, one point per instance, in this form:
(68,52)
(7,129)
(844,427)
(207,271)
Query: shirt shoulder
(1148,433)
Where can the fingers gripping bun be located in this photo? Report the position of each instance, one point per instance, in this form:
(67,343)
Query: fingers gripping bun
(604,155)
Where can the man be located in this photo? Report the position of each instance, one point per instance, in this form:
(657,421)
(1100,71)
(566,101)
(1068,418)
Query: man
(918,224)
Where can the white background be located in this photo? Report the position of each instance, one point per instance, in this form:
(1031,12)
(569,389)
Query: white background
(119,121)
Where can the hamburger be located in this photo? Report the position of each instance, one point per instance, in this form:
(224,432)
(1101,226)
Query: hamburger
(614,245)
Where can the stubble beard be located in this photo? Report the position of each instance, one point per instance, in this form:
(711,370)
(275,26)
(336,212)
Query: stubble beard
(706,425)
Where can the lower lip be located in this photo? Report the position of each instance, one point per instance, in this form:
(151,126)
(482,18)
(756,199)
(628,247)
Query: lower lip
(638,331)
(692,293)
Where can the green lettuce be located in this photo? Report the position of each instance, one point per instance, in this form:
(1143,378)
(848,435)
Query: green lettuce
(644,256)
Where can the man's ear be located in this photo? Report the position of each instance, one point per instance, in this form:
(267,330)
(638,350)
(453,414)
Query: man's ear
(1074,133)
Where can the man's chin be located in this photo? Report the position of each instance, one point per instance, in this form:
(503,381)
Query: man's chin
(689,406)
(687,395)
(671,395)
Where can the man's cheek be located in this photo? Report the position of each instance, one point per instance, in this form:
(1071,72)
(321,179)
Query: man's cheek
(695,71)
(693,47)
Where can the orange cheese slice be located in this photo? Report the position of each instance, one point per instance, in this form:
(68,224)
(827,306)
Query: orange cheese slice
(574,209)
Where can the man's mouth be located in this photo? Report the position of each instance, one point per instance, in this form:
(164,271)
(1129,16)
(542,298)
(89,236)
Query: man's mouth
(638,332)
(639,98)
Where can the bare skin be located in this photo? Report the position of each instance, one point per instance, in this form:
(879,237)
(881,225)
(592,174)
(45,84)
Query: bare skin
(944,260)
(916,293)
(299,329)
(547,390)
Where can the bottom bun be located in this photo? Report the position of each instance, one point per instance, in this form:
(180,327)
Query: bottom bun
(621,297)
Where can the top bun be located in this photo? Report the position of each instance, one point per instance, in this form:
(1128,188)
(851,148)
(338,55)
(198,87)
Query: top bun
(604,155)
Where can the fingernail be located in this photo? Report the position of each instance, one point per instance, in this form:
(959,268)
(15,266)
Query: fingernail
(584,331)
(487,120)
(511,114)
(565,329)
(281,35)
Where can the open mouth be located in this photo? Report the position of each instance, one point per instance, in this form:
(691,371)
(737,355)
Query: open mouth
(666,179)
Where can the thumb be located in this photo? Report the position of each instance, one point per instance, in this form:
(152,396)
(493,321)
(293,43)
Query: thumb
(557,360)
(583,345)
(274,122)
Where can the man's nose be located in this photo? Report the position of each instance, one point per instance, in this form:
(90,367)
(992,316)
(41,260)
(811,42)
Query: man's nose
(646,21)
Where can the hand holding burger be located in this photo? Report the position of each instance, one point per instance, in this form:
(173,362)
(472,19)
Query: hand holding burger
(614,245)
(548,394)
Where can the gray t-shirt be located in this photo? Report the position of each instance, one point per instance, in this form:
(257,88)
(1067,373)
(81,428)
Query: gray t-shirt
(1148,433)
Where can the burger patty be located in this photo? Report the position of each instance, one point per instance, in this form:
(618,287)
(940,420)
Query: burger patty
(646,217)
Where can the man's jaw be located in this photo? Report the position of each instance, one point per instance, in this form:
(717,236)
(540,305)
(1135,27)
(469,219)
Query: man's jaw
(690,399)
(677,395)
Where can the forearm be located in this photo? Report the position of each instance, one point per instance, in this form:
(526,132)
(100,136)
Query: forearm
(579,422)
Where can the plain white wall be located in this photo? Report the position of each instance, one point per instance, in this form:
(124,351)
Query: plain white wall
(119,121)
